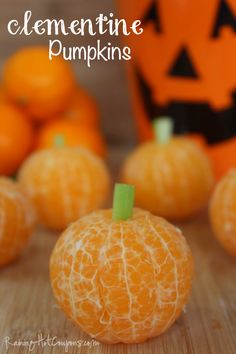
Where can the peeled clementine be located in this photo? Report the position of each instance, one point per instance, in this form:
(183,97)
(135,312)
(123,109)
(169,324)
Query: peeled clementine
(16,138)
(41,86)
(223,212)
(17,220)
(173,179)
(122,280)
(64,184)
(73,135)
(82,109)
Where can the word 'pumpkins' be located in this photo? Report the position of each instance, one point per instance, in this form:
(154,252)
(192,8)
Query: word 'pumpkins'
(16,218)
(122,280)
(41,86)
(223,212)
(64,184)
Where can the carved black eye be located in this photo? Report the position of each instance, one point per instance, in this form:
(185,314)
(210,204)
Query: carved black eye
(152,15)
(183,66)
(225,17)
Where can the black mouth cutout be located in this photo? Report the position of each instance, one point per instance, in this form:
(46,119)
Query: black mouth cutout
(189,117)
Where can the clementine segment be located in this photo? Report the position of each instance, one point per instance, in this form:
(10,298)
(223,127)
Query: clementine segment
(42,86)
(16,218)
(64,184)
(73,135)
(223,212)
(122,281)
(173,180)
(16,138)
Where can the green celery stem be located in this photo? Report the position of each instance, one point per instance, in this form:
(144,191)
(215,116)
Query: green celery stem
(123,202)
(59,140)
(163,129)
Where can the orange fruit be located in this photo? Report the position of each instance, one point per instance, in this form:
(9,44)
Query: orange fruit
(17,220)
(16,138)
(173,180)
(223,212)
(223,157)
(3,98)
(73,135)
(82,109)
(122,281)
(64,184)
(41,86)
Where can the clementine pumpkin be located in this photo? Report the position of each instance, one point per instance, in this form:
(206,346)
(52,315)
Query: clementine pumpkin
(122,275)
(16,138)
(172,175)
(17,220)
(73,135)
(223,212)
(42,87)
(64,183)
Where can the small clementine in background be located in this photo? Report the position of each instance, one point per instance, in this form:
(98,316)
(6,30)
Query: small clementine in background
(39,85)
(122,275)
(16,138)
(3,97)
(73,135)
(82,109)
(17,220)
(64,183)
(223,212)
(172,175)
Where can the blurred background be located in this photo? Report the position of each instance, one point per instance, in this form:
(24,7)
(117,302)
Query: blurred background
(106,81)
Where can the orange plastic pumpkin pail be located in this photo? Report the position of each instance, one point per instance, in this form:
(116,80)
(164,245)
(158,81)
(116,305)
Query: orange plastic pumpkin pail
(183,66)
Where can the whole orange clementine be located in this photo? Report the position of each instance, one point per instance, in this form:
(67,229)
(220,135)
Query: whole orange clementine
(173,178)
(41,86)
(82,109)
(17,220)
(16,138)
(223,212)
(64,183)
(3,96)
(122,277)
(73,135)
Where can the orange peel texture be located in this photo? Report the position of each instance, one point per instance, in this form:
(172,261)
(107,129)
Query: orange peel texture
(122,281)
(223,212)
(172,180)
(64,183)
(17,220)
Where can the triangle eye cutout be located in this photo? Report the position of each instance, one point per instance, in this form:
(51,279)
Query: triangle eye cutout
(225,17)
(152,15)
(183,66)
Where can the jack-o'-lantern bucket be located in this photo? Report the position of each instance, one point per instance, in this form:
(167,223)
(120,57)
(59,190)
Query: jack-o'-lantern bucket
(184,66)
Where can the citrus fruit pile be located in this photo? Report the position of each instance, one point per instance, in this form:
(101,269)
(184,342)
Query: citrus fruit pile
(40,100)
(122,274)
